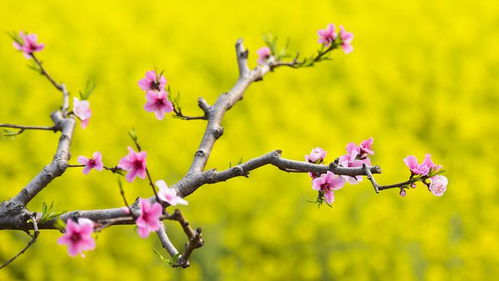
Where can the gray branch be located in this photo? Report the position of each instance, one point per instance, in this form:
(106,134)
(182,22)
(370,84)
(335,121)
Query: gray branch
(58,164)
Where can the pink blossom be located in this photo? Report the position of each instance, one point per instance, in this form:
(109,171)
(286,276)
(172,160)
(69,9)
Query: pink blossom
(356,156)
(148,221)
(78,236)
(134,163)
(93,163)
(366,146)
(328,35)
(327,183)
(422,169)
(316,156)
(29,44)
(82,110)
(263,54)
(158,103)
(151,82)
(438,185)
(346,39)
(169,195)
(428,163)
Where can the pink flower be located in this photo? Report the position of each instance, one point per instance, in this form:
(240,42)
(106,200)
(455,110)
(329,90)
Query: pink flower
(93,163)
(82,110)
(428,163)
(327,183)
(78,236)
(328,35)
(438,185)
(346,39)
(134,163)
(263,54)
(152,82)
(422,169)
(29,44)
(356,157)
(158,103)
(169,195)
(366,147)
(148,221)
(316,156)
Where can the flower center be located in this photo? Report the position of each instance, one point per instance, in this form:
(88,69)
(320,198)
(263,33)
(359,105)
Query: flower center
(75,237)
(138,165)
(155,85)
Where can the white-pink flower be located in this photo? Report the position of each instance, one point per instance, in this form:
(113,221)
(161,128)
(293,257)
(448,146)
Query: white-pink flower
(438,185)
(327,183)
(78,236)
(264,54)
(157,102)
(151,81)
(82,110)
(328,35)
(28,45)
(169,195)
(135,164)
(148,221)
(317,155)
(95,162)
(346,40)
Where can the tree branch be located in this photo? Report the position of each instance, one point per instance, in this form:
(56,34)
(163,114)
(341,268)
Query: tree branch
(165,241)
(224,102)
(31,242)
(56,167)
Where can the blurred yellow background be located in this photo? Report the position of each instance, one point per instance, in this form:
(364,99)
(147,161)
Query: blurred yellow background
(423,78)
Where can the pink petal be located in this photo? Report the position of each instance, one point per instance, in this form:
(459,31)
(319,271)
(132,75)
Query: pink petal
(329,196)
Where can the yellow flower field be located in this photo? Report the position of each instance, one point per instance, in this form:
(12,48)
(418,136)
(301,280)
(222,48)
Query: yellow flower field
(423,78)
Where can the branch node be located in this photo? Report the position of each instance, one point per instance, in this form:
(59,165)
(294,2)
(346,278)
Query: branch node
(203,104)
(217,132)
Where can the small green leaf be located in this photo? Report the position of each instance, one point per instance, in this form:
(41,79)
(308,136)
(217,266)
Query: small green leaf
(133,135)
(59,224)
(89,88)
(7,134)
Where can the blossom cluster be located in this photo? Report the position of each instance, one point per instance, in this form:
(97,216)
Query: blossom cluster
(156,94)
(330,38)
(357,156)
(428,173)
(327,183)
(78,235)
(28,44)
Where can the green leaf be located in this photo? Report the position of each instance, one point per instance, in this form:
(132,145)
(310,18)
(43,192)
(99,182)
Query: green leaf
(15,36)
(59,224)
(133,135)
(7,134)
(89,88)
(48,213)
(35,67)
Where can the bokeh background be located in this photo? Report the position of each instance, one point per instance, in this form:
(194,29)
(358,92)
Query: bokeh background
(423,79)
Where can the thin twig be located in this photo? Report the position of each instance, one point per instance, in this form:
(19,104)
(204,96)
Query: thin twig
(194,236)
(22,127)
(165,241)
(378,187)
(31,242)
(61,87)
